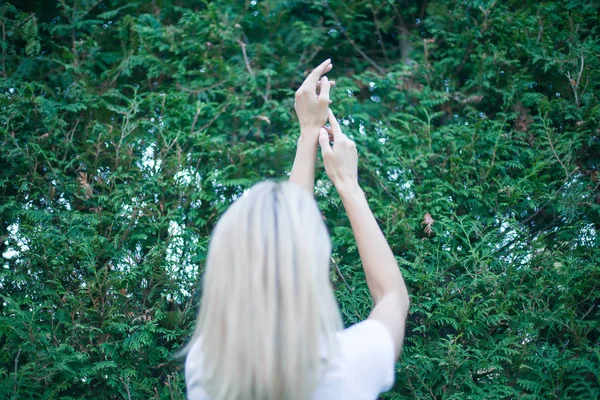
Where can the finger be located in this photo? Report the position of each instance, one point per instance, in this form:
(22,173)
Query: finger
(324,142)
(314,76)
(335,126)
(324,94)
(331,83)
(328,129)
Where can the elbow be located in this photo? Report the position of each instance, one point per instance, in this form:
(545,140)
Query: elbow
(404,301)
(407,302)
(397,293)
(400,298)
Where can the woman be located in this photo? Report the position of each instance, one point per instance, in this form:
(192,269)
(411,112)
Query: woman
(269,326)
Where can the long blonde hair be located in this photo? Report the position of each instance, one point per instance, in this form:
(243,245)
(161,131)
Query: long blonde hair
(268,315)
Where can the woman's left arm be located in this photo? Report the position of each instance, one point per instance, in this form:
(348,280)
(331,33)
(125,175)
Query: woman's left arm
(312,110)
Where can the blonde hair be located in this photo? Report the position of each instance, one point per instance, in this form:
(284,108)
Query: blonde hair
(268,315)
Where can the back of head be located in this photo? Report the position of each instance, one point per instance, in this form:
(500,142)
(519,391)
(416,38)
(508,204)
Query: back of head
(268,315)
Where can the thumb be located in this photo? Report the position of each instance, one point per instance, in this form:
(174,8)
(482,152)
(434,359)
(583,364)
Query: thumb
(324,142)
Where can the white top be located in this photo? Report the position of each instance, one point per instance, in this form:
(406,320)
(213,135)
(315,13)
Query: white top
(364,369)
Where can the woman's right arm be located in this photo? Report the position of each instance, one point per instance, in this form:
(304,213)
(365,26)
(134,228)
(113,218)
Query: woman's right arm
(384,279)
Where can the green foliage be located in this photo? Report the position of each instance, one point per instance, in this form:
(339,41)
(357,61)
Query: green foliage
(128,127)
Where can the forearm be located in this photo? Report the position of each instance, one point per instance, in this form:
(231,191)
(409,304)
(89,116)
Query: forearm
(303,170)
(381,269)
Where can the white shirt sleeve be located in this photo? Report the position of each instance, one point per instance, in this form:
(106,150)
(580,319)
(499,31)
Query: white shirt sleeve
(369,356)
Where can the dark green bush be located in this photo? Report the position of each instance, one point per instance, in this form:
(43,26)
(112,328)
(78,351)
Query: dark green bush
(127,128)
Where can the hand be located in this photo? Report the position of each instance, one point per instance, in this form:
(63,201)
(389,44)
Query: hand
(341,161)
(312,109)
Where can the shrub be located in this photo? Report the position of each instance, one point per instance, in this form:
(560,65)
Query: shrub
(127,128)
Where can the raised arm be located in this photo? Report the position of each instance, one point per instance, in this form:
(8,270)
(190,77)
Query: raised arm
(387,287)
(312,114)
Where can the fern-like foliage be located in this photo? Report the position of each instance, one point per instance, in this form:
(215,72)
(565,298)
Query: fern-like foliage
(128,127)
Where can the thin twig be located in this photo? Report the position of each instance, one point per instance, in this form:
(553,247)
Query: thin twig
(574,83)
(301,59)
(3,49)
(385,189)
(587,81)
(433,396)
(91,8)
(126,388)
(358,315)
(556,193)
(580,70)
(556,155)
(209,123)
(403,36)
(246,61)
(483,29)
(573,87)
(313,55)
(266,96)
(353,43)
(69,138)
(169,386)
(588,311)
(593,291)
(427,65)
(204,89)
(16,368)
(379,35)
(195,120)
(337,268)
(494,153)
(423,7)
(73,41)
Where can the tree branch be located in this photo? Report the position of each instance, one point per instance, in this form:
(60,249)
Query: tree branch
(209,123)
(3,49)
(195,120)
(16,368)
(556,154)
(403,36)
(337,268)
(246,61)
(376,22)
(353,43)
(201,90)
(575,83)
(126,388)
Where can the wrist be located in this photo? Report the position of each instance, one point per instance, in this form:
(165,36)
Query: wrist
(309,131)
(307,141)
(348,189)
